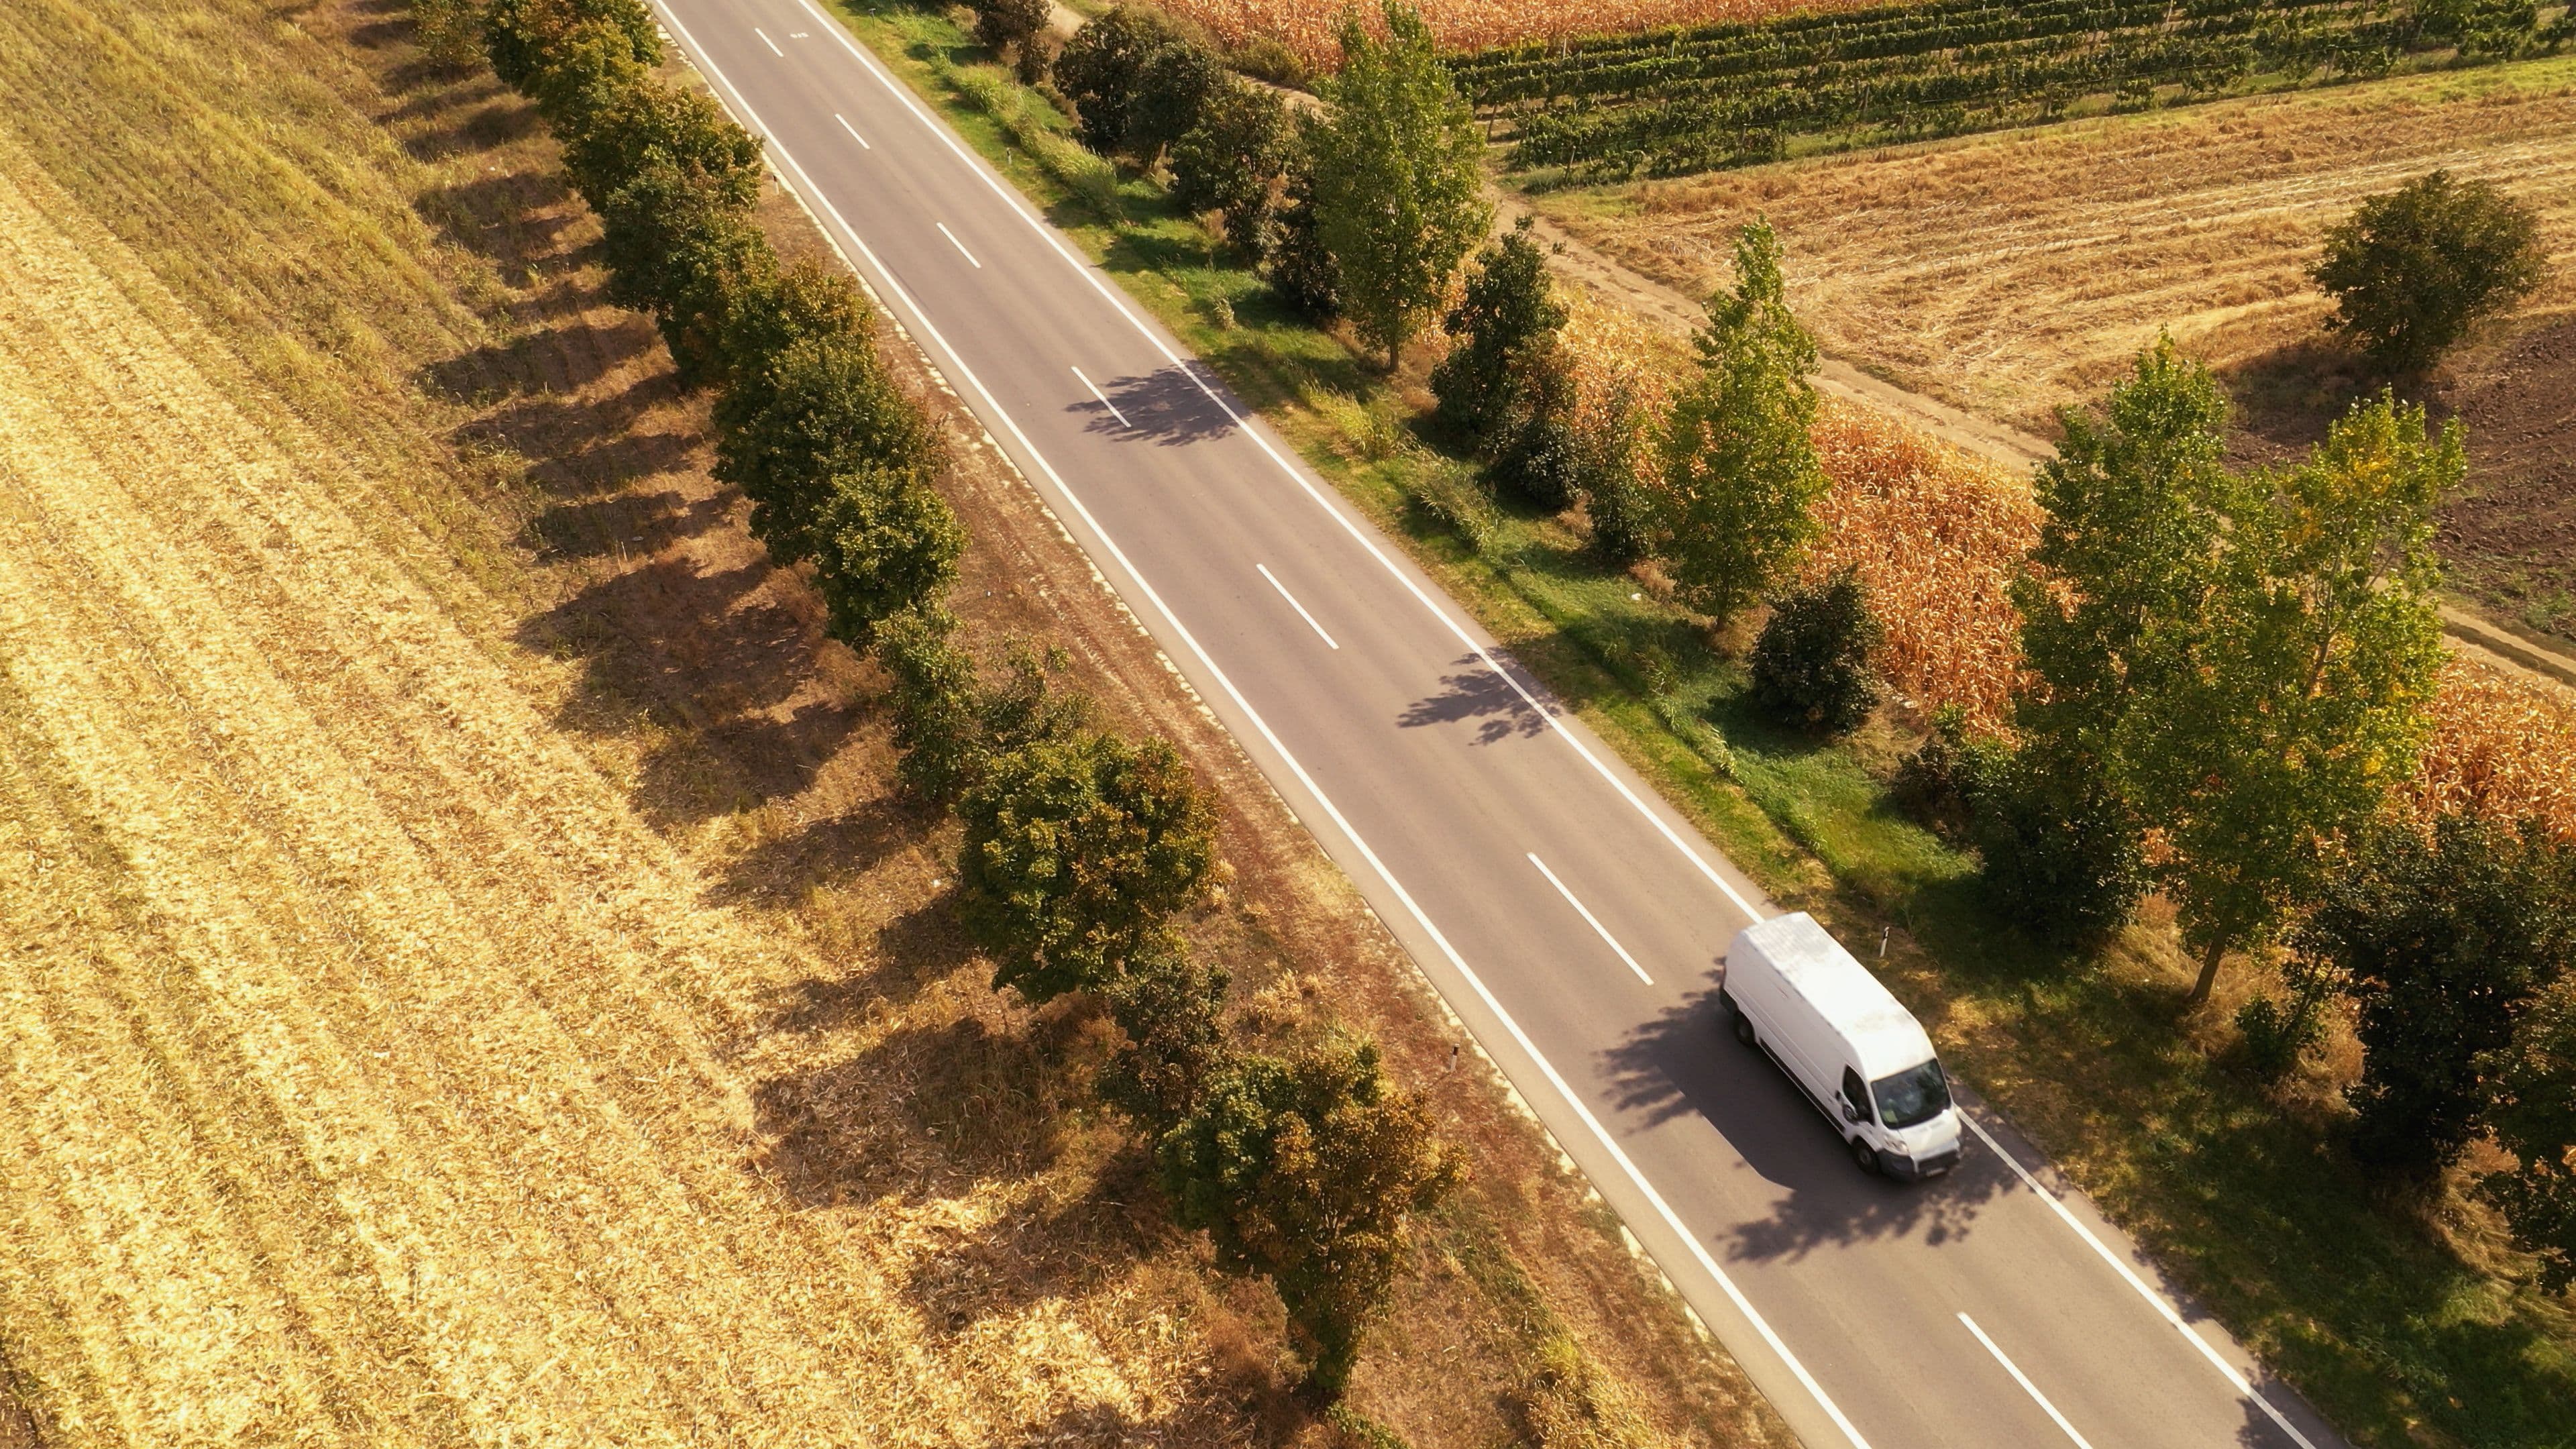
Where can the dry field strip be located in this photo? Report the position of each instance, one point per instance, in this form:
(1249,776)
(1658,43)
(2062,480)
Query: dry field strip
(1307,28)
(464,978)
(2013,273)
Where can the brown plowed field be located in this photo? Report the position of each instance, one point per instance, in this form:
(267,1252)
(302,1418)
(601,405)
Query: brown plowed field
(464,978)
(2013,274)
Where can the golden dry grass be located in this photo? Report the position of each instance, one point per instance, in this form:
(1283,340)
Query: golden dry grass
(463,975)
(1307,28)
(2014,273)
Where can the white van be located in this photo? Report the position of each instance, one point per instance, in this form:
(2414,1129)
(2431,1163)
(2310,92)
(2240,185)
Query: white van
(1856,1052)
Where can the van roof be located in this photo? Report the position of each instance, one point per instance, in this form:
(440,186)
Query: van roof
(1876,1024)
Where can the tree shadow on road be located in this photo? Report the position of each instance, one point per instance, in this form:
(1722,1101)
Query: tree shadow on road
(1476,693)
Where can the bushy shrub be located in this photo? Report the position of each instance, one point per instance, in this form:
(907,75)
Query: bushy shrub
(1174,87)
(935,700)
(1101,69)
(2534,1117)
(1234,162)
(828,408)
(2062,853)
(1075,852)
(682,252)
(2274,1032)
(1171,1009)
(2442,940)
(1305,1170)
(1811,663)
(1544,459)
(1014,27)
(1938,783)
(884,541)
(1506,319)
(1300,269)
(1610,440)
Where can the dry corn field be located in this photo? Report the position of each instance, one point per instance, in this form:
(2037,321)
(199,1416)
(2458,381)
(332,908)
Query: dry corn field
(2015,273)
(1939,534)
(1307,29)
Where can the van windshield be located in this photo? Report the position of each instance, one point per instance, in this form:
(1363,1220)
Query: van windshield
(1917,1094)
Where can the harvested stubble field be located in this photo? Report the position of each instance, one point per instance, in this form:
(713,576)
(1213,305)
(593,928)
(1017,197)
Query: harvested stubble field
(1307,28)
(2012,274)
(464,978)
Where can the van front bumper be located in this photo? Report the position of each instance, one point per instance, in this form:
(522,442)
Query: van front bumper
(1915,1170)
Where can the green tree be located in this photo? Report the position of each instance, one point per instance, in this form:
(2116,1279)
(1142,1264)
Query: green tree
(948,720)
(2534,1117)
(2441,940)
(683,252)
(935,700)
(772,313)
(2135,503)
(1811,664)
(884,541)
(1732,502)
(520,36)
(2413,271)
(1235,161)
(1505,321)
(1305,1170)
(1171,1010)
(825,406)
(2296,691)
(1397,178)
(1076,850)
(650,119)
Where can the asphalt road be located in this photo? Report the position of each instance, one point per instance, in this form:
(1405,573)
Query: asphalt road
(1572,920)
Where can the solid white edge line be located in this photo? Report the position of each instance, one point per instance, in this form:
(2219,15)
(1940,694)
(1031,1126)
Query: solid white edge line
(2155,1299)
(1590,919)
(2023,1379)
(1555,725)
(1104,400)
(853,130)
(772,44)
(1089,274)
(1565,1092)
(961,246)
(1292,603)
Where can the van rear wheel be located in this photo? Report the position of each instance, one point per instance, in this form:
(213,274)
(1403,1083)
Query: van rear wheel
(1743,1027)
(1865,1155)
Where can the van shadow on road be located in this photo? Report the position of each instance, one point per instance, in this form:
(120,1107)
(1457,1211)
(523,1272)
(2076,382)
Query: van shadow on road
(1686,1061)
(1166,406)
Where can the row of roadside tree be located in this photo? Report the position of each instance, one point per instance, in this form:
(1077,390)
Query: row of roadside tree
(1081,850)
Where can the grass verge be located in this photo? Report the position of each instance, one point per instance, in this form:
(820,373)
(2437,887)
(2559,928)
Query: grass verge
(2405,1323)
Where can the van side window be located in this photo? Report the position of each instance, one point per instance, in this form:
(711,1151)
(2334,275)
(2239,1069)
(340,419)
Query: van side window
(1853,1091)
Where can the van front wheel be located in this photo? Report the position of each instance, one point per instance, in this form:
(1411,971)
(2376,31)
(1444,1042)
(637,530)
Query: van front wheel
(1743,1027)
(1865,1155)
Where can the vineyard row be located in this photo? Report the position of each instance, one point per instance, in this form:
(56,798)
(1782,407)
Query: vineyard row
(1692,100)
